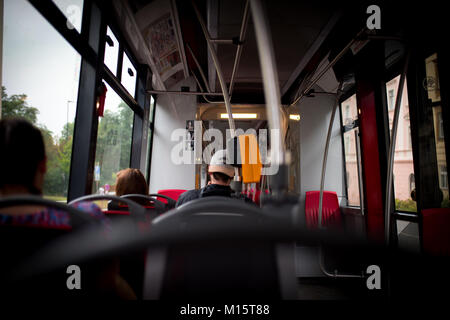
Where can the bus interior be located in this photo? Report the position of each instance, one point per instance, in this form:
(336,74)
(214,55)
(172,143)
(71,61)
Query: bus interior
(334,115)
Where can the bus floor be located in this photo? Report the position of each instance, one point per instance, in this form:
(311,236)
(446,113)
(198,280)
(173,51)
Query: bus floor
(320,288)
(408,236)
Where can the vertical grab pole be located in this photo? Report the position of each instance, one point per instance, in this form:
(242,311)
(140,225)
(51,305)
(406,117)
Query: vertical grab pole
(389,181)
(239,46)
(325,155)
(270,76)
(223,84)
(360,179)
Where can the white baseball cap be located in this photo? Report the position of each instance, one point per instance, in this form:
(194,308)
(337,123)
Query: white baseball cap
(218,163)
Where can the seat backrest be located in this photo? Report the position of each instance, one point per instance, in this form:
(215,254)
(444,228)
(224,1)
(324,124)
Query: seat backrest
(436,231)
(331,214)
(226,266)
(19,242)
(171,193)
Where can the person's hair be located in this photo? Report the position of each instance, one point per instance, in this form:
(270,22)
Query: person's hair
(22,149)
(131,181)
(219,176)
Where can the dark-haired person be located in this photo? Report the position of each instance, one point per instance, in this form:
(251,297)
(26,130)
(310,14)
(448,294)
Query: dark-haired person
(221,174)
(23,165)
(22,171)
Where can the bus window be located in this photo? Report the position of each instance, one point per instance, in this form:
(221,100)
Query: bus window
(349,117)
(128,75)
(112,52)
(403,171)
(73,10)
(114,137)
(434,95)
(149,139)
(40,78)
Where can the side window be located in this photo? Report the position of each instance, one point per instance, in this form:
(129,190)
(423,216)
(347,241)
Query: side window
(403,171)
(111,51)
(41,86)
(349,115)
(113,151)
(434,99)
(149,138)
(128,75)
(391,100)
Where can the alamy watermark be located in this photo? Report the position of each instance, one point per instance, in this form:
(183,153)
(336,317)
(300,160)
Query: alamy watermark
(374,20)
(74,14)
(74,280)
(182,153)
(374,280)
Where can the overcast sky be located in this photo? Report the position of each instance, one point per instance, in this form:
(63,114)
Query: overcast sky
(39,62)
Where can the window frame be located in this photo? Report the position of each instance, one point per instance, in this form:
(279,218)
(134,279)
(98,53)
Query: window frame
(350,92)
(90,44)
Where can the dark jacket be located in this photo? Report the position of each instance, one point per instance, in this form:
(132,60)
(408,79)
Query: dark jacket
(209,190)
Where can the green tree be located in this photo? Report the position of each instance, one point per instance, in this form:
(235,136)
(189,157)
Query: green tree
(16,106)
(114,143)
(126,131)
(58,152)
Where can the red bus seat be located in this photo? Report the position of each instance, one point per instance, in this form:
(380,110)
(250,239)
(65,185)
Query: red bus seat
(171,193)
(331,214)
(436,231)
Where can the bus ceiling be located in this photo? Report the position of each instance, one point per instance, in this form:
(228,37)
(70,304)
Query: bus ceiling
(299,31)
(215,42)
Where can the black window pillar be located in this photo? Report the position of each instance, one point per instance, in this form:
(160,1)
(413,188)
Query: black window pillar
(428,192)
(444,82)
(86,122)
(140,127)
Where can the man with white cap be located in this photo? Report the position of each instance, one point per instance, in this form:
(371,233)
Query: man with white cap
(221,174)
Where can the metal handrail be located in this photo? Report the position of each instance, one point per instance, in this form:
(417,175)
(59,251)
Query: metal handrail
(216,62)
(199,67)
(330,65)
(336,274)
(270,76)
(325,155)
(239,47)
(389,178)
(136,209)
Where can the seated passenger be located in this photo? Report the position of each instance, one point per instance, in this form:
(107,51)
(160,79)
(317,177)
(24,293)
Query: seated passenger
(221,175)
(129,181)
(22,171)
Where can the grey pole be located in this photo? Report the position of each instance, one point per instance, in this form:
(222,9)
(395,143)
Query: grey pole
(330,65)
(325,155)
(239,48)
(389,181)
(223,84)
(270,75)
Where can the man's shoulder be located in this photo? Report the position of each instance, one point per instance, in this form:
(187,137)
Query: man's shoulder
(188,196)
(190,193)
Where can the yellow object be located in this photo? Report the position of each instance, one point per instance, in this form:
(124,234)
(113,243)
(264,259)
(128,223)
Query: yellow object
(250,157)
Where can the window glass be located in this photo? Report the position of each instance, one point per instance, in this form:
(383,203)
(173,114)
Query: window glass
(73,10)
(111,51)
(432,86)
(403,168)
(149,139)
(114,137)
(349,115)
(391,100)
(128,75)
(40,80)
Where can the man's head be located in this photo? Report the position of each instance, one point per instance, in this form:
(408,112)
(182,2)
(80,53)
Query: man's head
(23,160)
(219,171)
